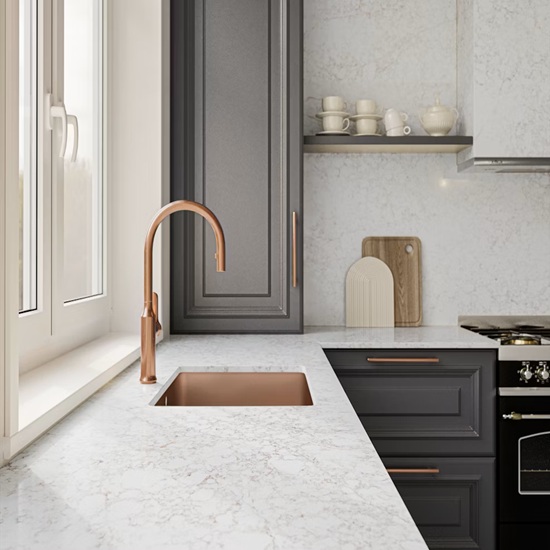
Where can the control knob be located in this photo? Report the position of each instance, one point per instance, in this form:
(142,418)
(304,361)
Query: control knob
(542,372)
(525,372)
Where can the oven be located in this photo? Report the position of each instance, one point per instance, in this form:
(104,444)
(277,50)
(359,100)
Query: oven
(523,438)
(524,471)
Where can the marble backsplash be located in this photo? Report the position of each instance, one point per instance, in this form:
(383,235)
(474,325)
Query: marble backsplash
(485,238)
(398,52)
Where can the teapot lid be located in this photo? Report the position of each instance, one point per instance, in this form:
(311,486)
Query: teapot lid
(437,108)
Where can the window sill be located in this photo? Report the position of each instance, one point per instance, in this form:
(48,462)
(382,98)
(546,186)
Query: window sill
(51,391)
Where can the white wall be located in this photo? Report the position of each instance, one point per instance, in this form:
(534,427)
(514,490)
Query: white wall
(137,168)
(485,238)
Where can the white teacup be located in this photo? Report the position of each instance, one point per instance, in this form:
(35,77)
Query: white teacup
(366,107)
(399,131)
(335,123)
(334,103)
(366,126)
(393,119)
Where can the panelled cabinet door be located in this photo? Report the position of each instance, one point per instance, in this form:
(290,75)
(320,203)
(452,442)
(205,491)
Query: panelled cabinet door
(236,135)
(450,499)
(422,402)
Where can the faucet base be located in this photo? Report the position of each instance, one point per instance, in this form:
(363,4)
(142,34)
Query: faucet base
(148,379)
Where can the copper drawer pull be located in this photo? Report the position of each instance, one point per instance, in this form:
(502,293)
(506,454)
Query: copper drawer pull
(294,253)
(412,470)
(403,359)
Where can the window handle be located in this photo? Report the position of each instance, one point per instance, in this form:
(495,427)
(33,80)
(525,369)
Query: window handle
(57,111)
(72,120)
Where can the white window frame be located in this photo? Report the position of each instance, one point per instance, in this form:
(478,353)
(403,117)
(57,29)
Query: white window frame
(137,78)
(55,326)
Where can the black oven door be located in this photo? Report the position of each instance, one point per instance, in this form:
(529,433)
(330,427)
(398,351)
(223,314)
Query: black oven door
(524,460)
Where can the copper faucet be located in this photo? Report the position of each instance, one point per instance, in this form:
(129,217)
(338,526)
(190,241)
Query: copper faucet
(150,325)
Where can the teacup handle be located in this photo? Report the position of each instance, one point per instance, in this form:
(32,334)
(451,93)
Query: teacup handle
(404,117)
(346,124)
(406,130)
(456,114)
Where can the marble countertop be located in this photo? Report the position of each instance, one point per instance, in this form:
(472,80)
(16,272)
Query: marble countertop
(119,474)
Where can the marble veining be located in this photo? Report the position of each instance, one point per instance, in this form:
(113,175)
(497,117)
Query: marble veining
(484,237)
(398,53)
(511,78)
(120,474)
(465,70)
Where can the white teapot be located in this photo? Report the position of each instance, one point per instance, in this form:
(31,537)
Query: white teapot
(438,119)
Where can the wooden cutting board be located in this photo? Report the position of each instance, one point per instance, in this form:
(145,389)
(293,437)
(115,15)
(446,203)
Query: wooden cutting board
(403,257)
(369,294)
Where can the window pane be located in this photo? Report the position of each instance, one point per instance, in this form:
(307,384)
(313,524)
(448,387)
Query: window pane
(83,192)
(27,155)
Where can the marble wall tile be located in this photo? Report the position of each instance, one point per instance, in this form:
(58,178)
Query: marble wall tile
(485,237)
(398,52)
(511,62)
(465,70)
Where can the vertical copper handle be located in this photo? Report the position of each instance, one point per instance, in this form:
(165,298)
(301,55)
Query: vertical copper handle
(294,252)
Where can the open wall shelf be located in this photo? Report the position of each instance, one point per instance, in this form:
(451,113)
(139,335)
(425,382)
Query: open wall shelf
(386,144)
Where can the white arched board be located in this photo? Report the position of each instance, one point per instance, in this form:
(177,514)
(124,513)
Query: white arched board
(369,294)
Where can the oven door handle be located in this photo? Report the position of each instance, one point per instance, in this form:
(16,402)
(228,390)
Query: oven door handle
(520,416)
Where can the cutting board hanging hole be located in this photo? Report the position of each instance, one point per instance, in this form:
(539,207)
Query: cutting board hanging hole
(409,249)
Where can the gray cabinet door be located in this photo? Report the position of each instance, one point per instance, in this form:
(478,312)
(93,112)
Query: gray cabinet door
(453,508)
(236,146)
(443,405)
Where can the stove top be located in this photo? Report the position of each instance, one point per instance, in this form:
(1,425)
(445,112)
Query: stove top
(526,336)
(523,354)
(520,338)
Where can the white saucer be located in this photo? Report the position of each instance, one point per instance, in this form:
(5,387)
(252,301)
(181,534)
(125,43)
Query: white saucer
(333,133)
(323,114)
(367,135)
(371,117)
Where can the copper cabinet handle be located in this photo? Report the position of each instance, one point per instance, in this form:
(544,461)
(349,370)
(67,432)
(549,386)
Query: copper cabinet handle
(403,359)
(294,252)
(412,470)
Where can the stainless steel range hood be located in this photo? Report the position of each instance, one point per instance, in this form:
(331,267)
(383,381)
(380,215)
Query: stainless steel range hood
(506,165)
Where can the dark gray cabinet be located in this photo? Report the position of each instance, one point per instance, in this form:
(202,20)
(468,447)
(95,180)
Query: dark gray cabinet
(444,406)
(236,146)
(431,415)
(454,507)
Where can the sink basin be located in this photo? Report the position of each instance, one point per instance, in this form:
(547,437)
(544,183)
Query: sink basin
(236,389)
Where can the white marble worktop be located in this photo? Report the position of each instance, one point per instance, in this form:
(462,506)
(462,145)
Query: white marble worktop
(120,474)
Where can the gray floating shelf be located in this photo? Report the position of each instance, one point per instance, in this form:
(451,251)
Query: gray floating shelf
(385,144)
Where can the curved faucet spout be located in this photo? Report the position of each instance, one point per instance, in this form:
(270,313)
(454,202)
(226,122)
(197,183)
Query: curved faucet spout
(149,319)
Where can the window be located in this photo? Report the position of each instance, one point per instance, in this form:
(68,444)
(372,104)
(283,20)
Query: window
(27,156)
(62,268)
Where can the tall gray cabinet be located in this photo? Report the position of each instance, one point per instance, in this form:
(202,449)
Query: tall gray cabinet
(236,146)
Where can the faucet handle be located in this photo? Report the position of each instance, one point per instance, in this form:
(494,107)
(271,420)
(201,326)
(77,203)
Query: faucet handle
(158,326)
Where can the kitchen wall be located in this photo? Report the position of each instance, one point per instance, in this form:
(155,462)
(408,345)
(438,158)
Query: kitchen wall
(138,149)
(485,238)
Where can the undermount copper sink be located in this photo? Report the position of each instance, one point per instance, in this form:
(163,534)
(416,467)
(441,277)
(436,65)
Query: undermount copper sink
(236,389)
